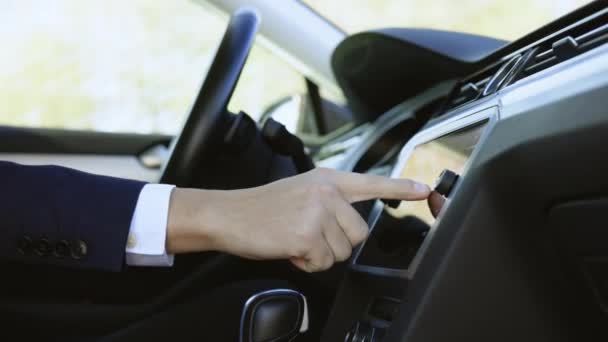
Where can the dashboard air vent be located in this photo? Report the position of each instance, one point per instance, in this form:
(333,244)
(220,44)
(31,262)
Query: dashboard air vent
(482,83)
(566,44)
(573,40)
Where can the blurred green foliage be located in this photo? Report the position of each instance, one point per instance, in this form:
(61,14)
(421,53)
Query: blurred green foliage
(136,65)
(115,65)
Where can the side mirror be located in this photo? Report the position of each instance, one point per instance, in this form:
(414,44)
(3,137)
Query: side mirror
(297,114)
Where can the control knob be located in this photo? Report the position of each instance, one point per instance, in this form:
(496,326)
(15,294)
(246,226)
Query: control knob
(445,183)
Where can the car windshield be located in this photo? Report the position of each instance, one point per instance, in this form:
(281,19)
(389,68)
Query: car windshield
(504,19)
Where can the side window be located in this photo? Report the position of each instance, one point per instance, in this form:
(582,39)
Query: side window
(266,80)
(118,66)
(129,66)
(315,113)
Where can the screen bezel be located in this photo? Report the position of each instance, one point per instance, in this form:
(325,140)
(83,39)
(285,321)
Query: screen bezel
(452,125)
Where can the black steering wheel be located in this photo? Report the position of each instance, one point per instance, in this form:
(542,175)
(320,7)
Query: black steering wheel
(202,132)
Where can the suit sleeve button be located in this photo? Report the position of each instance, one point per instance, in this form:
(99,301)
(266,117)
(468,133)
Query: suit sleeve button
(79,249)
(62,249)
(24,244)
(43,247)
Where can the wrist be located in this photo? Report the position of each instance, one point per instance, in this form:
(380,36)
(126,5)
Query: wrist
(191,225)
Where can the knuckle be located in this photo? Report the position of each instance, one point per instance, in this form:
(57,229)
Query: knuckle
(344,255)
(304,245)
(307,236)
(322,262)
(327,264)
(325,189)
(360,234)
(322,172)
(314,267)
(299,250)
(318,211)
(308,268)
(318,194)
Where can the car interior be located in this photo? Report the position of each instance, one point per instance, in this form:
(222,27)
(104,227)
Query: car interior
(512,134)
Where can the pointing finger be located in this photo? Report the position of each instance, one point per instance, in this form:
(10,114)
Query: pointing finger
(358,187)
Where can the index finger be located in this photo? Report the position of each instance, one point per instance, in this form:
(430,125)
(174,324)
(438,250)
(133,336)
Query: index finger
(358,187)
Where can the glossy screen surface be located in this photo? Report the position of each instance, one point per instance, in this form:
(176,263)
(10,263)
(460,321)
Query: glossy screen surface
(428,160)
(399,233)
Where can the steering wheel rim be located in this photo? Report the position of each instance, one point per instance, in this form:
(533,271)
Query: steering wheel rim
(199,137)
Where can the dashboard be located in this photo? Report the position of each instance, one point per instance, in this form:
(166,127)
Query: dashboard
(402,230)
(519,250)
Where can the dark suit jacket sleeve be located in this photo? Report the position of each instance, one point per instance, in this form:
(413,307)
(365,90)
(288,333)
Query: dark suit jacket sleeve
(59,216)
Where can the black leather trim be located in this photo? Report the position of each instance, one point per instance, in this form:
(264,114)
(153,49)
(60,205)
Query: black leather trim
(59,141)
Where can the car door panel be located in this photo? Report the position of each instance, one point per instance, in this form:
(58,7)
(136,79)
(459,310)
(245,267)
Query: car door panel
(134,156)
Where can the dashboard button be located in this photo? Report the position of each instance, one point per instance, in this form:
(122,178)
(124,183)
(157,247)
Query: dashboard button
(25,244)
(43,247)
(79,249)
(446,182)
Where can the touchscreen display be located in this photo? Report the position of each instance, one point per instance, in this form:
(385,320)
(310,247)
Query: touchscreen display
(428,160)
(399,232)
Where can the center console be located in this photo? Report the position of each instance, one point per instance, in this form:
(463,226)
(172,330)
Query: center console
(376,286)
(402,230)
(516,249)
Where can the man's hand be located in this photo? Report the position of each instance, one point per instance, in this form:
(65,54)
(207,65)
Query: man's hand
(306,218)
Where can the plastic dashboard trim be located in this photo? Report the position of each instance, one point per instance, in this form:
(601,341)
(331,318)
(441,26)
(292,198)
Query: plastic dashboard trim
(466,119)
(586,71)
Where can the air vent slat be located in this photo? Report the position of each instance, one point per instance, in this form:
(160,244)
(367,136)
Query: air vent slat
(544,55)
(560,46)
(476,86)
(592,34)
(482,84)
(594,43)
(563,46)
(538,66)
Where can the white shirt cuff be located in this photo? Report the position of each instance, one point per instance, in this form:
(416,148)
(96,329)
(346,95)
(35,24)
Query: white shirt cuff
(148,231)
